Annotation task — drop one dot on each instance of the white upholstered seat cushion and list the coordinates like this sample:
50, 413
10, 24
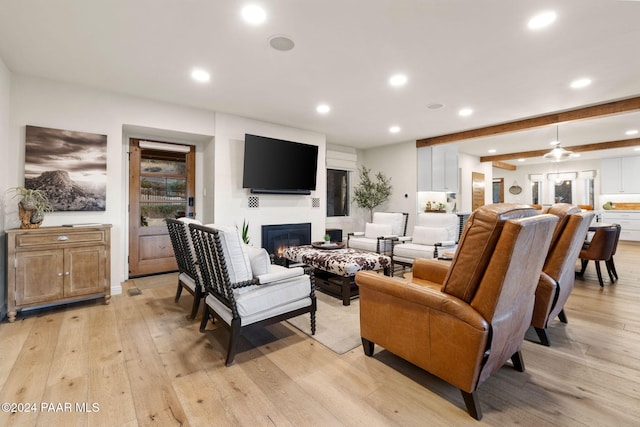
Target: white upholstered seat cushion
187, 280
407, 252
259, 302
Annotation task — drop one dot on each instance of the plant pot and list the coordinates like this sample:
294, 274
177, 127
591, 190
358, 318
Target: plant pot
26, 218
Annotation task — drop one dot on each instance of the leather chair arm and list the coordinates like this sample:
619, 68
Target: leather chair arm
545, 299
423, 295
430, 270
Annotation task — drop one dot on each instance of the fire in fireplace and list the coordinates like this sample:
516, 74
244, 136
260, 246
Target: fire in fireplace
276, 238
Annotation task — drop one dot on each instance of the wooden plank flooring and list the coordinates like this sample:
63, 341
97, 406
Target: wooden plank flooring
142, 362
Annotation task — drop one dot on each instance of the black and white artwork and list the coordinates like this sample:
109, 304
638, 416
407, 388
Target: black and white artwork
70, 167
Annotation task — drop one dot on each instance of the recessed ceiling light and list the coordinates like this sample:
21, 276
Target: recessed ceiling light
394, 129
398, 80
580, 83
465, 112
281, 43
542, 20
521, 160
435, 106
200, 75
493, 150
636, 149
254, 14
631, 132
323, 108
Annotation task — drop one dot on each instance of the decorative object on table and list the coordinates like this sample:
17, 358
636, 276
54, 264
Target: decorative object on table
515, 188
435, 207
327, 245
31, 207
69, 167
608, 206
327, 239
369, 194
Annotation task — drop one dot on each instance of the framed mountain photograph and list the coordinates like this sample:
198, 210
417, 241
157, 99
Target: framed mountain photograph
70, 167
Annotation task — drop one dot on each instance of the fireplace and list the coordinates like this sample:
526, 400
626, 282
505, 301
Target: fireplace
276, 238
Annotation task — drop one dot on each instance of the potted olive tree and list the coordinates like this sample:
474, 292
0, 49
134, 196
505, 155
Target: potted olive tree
32, 206
369, 193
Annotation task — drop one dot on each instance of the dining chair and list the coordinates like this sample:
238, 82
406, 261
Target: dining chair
600, 248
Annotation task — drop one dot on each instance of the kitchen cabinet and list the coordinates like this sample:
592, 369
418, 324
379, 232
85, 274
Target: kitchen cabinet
53, 265
437, 169
620, 175
629, 222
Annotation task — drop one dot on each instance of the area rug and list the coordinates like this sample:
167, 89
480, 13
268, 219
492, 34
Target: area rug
337, 326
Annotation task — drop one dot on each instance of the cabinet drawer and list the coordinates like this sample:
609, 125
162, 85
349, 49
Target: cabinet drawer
39, 239
610, 216
628, 224
631, 235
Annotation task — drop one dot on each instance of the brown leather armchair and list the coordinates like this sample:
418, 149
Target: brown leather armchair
558, 274
462, 320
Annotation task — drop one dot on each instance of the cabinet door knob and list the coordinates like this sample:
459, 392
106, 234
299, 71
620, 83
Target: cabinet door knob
59, 274
66, 273
63, 238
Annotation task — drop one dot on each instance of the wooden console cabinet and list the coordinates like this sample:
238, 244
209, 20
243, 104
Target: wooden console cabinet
52, 265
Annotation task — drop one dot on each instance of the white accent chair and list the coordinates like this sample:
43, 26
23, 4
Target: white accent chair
433, 235
379, 234
189, 276
243, 288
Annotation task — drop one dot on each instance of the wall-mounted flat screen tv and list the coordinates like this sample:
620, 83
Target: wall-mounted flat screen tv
279, 167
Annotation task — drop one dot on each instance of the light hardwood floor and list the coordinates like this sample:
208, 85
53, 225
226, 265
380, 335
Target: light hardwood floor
143, 363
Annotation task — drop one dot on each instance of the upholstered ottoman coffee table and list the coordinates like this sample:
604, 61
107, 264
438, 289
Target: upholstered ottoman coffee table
335, 269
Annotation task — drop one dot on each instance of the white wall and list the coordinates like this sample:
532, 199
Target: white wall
46, 103
5, 98
231, 200
398, 162
467, 165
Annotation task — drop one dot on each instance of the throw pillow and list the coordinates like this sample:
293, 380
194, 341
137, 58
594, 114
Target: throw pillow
259, 259
372, 230
429, 235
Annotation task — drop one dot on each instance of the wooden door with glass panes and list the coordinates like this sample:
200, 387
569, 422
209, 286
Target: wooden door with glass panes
161, 185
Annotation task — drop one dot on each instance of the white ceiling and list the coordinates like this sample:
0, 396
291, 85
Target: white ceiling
461, 53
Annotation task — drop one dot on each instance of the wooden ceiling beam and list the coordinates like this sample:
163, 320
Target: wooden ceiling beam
599, 110
622, 143
502, 165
